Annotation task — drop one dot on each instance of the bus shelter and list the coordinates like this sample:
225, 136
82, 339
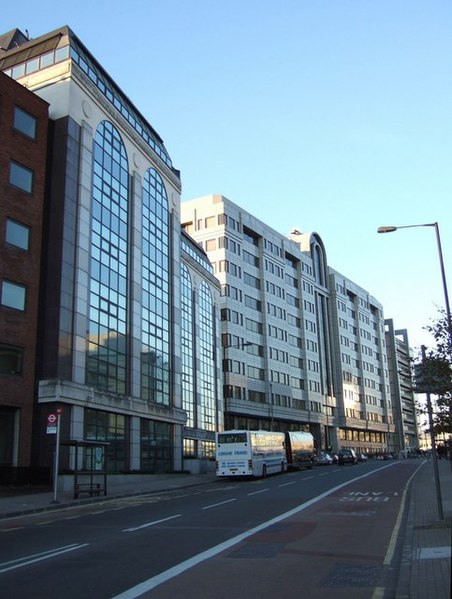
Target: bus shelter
90, 467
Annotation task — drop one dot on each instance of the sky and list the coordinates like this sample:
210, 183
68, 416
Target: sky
331, 116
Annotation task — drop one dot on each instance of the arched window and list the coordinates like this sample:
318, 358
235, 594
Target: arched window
319, 265
188, 396
155, 325
106, 365
206, 374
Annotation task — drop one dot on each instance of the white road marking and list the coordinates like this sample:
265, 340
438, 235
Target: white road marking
155, 581
395, 533
151, 523
257, 492
286, 484
37, 557
207, 507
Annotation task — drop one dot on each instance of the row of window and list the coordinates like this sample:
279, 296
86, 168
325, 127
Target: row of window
251, 237
12, 293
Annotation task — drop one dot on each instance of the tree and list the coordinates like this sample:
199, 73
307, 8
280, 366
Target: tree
433, 374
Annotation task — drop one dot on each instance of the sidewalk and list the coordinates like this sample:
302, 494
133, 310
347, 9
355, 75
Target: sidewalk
15, 503
425, 569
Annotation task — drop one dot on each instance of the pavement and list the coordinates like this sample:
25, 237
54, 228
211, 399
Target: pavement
424, 535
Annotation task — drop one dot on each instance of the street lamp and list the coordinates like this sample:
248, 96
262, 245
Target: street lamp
391, 229
327, 427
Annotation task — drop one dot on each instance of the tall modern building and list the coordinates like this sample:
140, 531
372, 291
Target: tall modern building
401, 384
200, 357
365, 417
303, 346
119, 282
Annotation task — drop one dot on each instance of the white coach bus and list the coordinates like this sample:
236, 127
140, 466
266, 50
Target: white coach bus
250, 453
300, 450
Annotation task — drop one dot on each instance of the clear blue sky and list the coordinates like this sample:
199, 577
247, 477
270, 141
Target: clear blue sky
333, 116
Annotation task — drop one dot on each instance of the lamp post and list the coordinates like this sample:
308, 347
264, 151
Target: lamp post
433, 444
327, 427
391, 229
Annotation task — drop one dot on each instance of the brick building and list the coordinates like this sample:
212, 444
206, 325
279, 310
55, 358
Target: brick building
23, 135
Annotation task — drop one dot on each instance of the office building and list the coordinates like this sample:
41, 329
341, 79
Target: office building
402, 393
365, 415
110, 351
303, 346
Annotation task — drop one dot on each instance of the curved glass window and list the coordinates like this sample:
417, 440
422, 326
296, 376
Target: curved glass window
319, 265
155, 367
107, 336
206, 374
187, 345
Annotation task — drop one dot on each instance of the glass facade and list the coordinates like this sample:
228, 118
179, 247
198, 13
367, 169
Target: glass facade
111, 428
156, 445
106, 366
206, 365
188, 397
112, 93
155, 363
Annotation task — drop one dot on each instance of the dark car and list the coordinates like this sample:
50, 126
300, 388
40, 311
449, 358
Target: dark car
347, 456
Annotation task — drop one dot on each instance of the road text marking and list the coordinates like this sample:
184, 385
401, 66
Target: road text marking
151, 583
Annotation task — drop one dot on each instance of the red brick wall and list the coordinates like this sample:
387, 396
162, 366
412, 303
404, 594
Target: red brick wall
19, 328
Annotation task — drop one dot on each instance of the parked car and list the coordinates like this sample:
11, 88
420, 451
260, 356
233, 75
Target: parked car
347, 456
362, 457
323, 459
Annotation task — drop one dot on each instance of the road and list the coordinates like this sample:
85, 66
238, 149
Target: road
331, 529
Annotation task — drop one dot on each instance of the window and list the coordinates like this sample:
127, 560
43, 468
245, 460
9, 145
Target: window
24, 122
155, 315
13, 295
256, 373
106, 359
187, 336
21, 177
17, 234
10, 360
254, 304
105, 426
156, 449
252, 281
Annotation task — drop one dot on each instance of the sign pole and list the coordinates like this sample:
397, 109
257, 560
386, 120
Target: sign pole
57, 457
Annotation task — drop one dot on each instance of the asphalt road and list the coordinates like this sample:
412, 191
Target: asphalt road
331, 529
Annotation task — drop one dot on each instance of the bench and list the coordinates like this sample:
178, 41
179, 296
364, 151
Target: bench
90, 488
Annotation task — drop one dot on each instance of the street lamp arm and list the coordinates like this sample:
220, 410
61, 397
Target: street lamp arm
392, 228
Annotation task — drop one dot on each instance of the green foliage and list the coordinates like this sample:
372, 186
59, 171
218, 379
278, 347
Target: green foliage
433, 374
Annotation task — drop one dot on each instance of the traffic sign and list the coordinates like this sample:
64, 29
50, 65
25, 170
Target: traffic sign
52, 424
